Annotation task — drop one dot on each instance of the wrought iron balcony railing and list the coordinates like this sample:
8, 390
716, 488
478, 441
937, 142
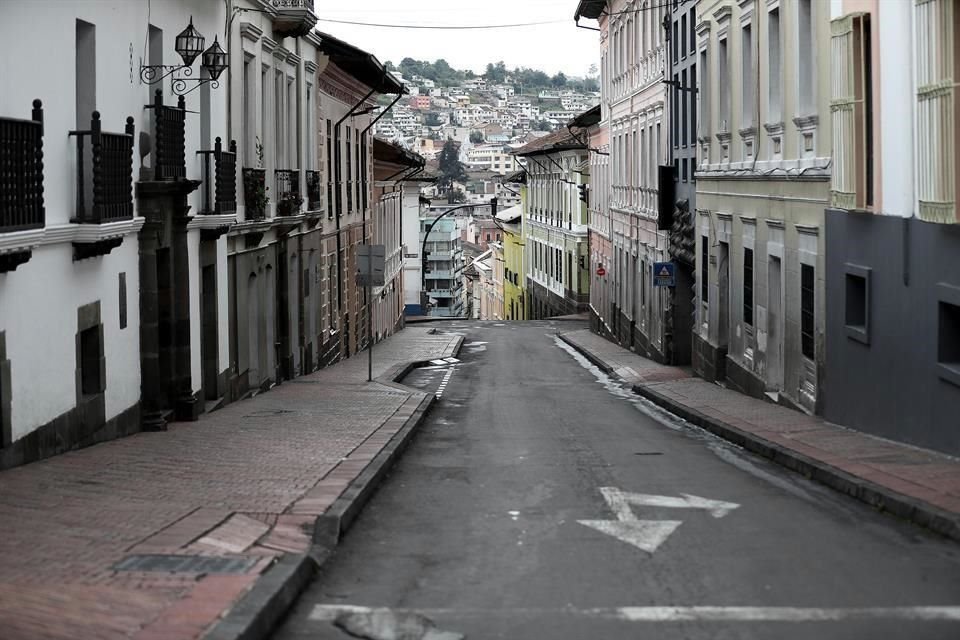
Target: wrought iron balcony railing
313, 190
169, 152
288, 192
255, 190
220, 193
21, 172
104, 173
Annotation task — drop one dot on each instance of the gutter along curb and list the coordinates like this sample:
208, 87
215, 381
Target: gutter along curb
258, 613
915, 510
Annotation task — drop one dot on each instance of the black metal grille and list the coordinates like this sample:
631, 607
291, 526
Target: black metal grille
288, 192
313, 190
807, 285
21, 172
170, 152
220, 193
255, 193
105, 194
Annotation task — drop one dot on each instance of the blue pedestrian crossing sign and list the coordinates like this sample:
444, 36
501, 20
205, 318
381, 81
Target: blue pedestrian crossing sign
664, 274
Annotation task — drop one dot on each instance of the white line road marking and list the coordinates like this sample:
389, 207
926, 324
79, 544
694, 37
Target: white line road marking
329, 612
648, 535
443, 383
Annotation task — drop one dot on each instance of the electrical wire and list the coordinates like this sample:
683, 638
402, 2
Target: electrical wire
640, 10
447, 27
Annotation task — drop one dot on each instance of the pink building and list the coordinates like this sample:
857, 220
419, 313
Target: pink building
420, 102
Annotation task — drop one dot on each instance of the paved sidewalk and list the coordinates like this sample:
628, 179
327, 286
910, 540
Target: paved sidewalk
913, 483
243, 486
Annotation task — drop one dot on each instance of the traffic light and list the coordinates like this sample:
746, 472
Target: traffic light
584, 190
493, 207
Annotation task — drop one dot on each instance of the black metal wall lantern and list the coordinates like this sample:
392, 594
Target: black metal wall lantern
189, 45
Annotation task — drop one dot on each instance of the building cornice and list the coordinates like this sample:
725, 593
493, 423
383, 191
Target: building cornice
64, 233
250, 31
269, 44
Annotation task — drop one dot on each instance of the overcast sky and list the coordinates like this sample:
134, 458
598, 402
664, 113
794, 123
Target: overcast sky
550, 47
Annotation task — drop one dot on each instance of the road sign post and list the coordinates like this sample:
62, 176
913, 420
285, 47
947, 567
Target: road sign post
664, 274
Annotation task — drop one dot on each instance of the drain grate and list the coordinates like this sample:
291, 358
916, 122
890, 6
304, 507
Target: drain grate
186, 564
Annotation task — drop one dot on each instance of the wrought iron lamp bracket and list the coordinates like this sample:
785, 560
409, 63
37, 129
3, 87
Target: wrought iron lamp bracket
152, 74
179, 85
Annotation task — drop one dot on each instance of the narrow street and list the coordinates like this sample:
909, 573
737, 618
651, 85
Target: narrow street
493, 524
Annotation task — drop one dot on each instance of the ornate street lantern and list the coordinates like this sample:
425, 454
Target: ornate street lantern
215, 60
189, 44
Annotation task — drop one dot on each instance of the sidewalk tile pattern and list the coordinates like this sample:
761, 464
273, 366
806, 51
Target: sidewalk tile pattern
247, 480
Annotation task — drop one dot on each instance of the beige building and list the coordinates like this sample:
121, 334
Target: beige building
763, 181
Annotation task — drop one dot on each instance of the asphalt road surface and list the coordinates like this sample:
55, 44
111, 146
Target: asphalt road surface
541, 500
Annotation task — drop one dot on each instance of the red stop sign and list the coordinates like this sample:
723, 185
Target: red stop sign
601, 271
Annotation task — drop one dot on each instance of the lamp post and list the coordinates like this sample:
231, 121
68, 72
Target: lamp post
189, 45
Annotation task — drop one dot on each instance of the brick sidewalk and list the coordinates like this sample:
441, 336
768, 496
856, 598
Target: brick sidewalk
243, 483
917, 484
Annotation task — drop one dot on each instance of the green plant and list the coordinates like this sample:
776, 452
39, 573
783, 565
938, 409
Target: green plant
289, 204
260, 198
259, 149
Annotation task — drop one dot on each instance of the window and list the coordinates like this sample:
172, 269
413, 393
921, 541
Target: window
807, 283
805, 49
249, 109
693, 30
774, 71
349, 180
704, 268
91, 349
683, 107
86, 71
748, 286
724, 79
857, 303
329, 168
937, 23
683, 36
704, 95
693, 111
747, 78
948, 333
851, 111
122, 299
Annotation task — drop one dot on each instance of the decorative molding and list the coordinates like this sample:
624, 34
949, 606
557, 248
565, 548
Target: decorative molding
211, 221
773, 128
722, 15
310, 66
703, 27
269, 44
805, 123
250, 31
282, 53
64, 233
749, 132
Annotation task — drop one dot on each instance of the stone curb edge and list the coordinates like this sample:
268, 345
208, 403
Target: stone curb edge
915, 510
262, 608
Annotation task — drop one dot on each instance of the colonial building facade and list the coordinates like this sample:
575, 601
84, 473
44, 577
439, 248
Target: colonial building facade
192, 198
762, 183
892, 235
633, 103
555, 226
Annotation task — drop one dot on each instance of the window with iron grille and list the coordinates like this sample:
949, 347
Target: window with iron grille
748, 286
807, 281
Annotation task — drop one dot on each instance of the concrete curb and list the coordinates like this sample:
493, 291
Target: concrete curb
262, 608
912, 509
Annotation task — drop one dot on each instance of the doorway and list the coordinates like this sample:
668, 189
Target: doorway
209, 342
723, 297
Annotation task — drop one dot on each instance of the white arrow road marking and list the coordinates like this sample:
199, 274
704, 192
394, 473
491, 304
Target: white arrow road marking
648, 535
329, 612
644, 534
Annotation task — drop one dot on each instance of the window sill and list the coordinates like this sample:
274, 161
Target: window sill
949, 371
859, 333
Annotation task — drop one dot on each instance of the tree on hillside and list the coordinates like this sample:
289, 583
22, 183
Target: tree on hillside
457, 196
542, 125
496, 73
450, 167
476, 137
559, 81
432, 119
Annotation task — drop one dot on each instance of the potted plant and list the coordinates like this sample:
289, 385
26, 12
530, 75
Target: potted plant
289, 204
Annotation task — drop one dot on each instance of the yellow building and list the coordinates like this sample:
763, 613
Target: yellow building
514, 293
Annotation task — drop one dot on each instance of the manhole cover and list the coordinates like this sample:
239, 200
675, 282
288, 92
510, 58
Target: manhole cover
185, 564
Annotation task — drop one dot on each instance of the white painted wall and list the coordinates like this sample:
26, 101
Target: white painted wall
897, 97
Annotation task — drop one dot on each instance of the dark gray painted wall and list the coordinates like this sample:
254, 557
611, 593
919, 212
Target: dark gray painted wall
891, 385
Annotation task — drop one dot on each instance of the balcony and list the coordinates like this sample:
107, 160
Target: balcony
255, 189
289, 200
313, 191
104, 174
220, 192
169, 152
21, 184
21, 172
294, 18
